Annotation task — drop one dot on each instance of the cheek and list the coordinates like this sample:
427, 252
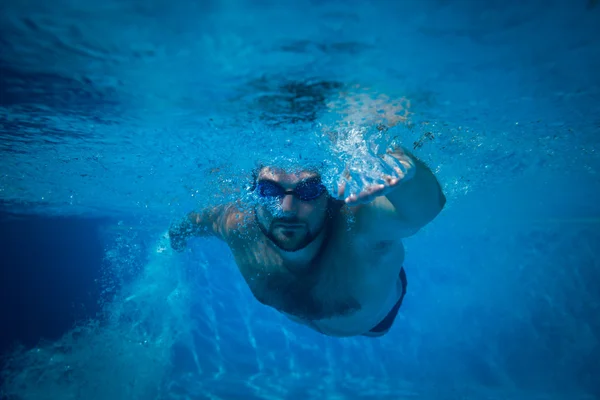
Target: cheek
263, 214
268, 208
313, 211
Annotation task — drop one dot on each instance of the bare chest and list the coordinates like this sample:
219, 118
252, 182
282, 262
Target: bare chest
354, 274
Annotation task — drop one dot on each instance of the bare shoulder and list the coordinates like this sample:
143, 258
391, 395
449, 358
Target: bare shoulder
232, 221
379, 217
222, 220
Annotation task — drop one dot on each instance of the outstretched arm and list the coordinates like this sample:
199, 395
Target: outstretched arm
413, 196
212, 221
418, 198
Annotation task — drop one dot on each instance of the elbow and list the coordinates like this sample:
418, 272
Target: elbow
428, 213
439, 205
442, 201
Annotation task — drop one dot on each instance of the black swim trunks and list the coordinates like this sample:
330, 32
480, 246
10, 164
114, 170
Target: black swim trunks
388, 321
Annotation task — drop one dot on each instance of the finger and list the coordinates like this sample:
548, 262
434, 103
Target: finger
391, 180
367, 195
343, 180
395, 164
355, 200
350, 199
370, 191
341, 189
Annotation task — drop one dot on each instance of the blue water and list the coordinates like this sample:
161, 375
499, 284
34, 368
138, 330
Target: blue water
117, 118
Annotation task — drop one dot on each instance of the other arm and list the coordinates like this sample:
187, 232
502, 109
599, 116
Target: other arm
212, 221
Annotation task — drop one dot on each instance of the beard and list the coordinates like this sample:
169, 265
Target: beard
288, 238
297, 239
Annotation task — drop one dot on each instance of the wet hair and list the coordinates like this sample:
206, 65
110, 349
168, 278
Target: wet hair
256, 171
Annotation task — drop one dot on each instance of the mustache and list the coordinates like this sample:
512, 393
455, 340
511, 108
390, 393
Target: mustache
288, 220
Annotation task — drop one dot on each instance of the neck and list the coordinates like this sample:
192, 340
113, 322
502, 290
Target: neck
302, 258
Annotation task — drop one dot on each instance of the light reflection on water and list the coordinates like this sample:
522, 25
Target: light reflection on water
177, 98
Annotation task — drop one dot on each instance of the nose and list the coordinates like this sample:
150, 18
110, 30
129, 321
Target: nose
288, 203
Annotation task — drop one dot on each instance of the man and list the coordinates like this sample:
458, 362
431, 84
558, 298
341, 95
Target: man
333, 265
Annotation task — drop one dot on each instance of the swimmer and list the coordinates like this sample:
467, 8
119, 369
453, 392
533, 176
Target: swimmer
333, 262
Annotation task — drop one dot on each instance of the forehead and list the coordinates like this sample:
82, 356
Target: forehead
288, 177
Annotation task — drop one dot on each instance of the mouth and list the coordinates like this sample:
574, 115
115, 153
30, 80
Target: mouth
288, 226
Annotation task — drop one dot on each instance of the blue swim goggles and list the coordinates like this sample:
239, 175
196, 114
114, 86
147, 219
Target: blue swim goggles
307, 190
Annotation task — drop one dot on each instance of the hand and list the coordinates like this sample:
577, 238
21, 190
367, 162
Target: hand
178, 243
178, 234
399, 162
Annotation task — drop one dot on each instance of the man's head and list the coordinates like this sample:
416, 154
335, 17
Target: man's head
293, 207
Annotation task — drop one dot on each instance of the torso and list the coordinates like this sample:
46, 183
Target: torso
346, 291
